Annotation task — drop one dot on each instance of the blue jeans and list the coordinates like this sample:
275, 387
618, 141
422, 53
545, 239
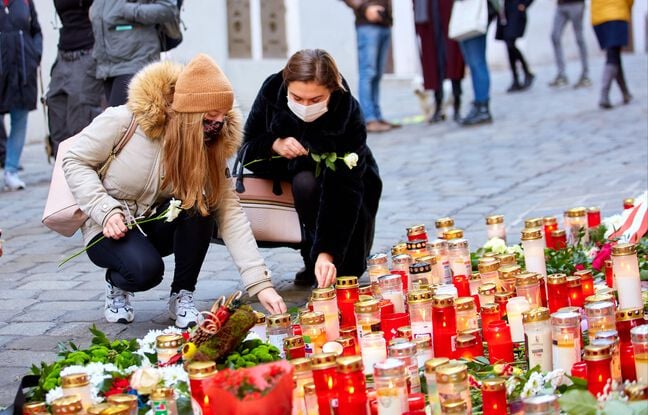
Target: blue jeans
474, 52
16, 139
373, 42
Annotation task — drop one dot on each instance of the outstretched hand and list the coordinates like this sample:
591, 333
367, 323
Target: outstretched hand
289, 148
325, 270
272, 301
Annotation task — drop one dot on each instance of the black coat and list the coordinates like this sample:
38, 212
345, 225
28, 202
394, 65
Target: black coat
21, 47
349, 197
514, 25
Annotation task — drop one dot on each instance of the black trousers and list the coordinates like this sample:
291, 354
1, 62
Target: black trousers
116, 89
134, 262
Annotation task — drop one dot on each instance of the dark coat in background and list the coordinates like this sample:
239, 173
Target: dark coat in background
349, 197
514, 24
21, 47
441, 57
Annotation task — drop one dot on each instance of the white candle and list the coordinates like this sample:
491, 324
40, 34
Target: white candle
514, 309
397, 299
325, 301
374, 350
533, 247
625, 267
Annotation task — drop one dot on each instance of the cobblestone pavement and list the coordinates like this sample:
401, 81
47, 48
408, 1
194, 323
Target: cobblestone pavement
546, 151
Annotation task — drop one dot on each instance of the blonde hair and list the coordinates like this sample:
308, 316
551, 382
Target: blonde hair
194, 171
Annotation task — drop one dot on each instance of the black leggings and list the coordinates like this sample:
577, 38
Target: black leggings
116, 89
613, 55
515, 56
134, 262
306, 193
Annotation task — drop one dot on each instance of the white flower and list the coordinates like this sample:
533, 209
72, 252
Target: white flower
171, 375
555, 378
511, 384
53, 394
514, 249
533, 386
174, 210
351, 160
591, 254
496, 245
147, 344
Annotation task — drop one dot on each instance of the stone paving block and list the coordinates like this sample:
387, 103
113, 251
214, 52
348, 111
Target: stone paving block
4, 339
9, 383
50, 285
39, 343
16, 304
71, 295
18, 358
27, 328
64, 305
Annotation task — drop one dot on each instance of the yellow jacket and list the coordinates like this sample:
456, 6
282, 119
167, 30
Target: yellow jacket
608, 10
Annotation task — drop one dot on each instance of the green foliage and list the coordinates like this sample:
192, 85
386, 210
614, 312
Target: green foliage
578, 402
565, 260
249, 354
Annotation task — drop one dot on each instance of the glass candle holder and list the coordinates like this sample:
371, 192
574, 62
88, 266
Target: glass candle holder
490, 312
166, 396
506, 259
495, 227
541, 405
627, 319
528, 286
279, 328
600, 317
486, 293
466, 313
639, 338
611, 338
502, 299
537, 336
406, 353
438, 275
294, 347
452, 384
391, 288
367, 315
593, 217
446, 289
78, 384
514, 309
390, 378
559, 239
587, 281
575, 290
533, 223
200, 375
373, 348
313, 326
406, 332
500, 343
325, 380
468, 347
565, 336
599, 372
325, 301
399, 248
352, 394
494, 396
444, 323
439, 248
167, 346
557, 292
576, 224
626, 275
310, 398
302, 375
261, 326
454, 233
442, 225
549, 224
533, 247
347, 294
507, 275
628, 369
351, 331
127, 399
488, 270
462, 284
348, 344
417, 249
431, 366
579, 370
474, 283
67, 405
417, 232
420, 274
420, 311
377, 265
402, 263
459, 256
424, 351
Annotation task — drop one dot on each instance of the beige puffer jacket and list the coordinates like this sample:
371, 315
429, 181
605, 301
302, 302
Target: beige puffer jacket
133, 181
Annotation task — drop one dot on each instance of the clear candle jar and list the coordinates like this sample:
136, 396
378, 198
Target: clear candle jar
420, 274
600, 317
260, 328
541, 405
625, 267
528, 286
348, 344
279, 328
431, 366
390, 378
639, 338
399, 249
598, 359
494, 396
576, 225
78, 384
565, 336
444, 323
167, 346
391, 288
474, 283
67, 405
367, 314
514, 309
557, 292
537, 336
587, 281
490, 312
486, 293
611, 337
405, 332
417, 232
468, 347
507, 274
310, 398
495, 227
442, 225
420, 311
352, 389
454, 233
325, 379
166, 396
200, 376
459, 256
533, 247
466, 313
325, 301
550, 223
533, 223
377, 265
401, 263
488, 270
438, 273
417, 249
439, 248
302, 375
424, 350
347, 294
452, 384
406, 353
502, 299
313, 326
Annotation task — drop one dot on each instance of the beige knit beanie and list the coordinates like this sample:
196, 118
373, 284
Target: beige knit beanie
202, 87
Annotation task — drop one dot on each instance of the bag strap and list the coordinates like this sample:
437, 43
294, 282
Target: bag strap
28, 381
237, 171
125, 138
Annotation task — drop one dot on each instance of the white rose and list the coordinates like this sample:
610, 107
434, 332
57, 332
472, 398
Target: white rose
174, 210
496, 245
351, 160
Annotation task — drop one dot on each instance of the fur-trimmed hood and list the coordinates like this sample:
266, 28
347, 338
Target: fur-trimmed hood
150, 95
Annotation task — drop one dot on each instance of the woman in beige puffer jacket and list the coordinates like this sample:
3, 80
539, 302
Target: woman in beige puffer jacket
186, 132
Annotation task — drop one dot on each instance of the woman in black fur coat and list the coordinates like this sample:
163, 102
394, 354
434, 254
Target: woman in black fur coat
300, 113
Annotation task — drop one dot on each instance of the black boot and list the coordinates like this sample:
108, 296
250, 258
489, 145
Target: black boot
609, 73
456, 104
438, 107
305, 277
620, 78
479, 114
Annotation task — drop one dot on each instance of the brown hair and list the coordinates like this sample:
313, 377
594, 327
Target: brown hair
313, 65
193, 171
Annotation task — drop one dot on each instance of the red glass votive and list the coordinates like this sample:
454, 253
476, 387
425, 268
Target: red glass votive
628, 368
444, 325
386, 307
416, 402
352, 394
557, 292
587, 282
489, 313
579, 370
494, 396
501, 299
543, 290
404, 277
462, 284
348, 345
550, 225
575, 290
351, 331
297, 330
347, 294
599, 367
391, 322
325, 379
468, 347
593, 217
500, 344
609, 273
559, 239
626, 320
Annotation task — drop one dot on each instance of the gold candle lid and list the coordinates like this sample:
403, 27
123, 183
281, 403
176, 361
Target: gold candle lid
169, 341
599, 298
416, 230
503, 297
445, 222
595, 352
390, 367
526, 278
431, 365
475, 276
455, 233
494, 384
312, 317
494, 219
349, 364
506, 259
628, 201
509, 271
442, 300
399, 249
452, 373
347, 282
301, 364
125, 409
404, 349
627, 314
402, 259
346, 341
74, 380
558, 233
67, 405
490, 307
636, 392
531, 234
576, 212
368, 306
604, 308
457, 243
260, 317
465, 303
624, 249
292, 342
379, 258
322, 294
97, 409
465, 340
405, 331
454, 406
30, 408
423, 342
535, 315
201, 370
549, 220
323, 360
487, 289
309, 388
420, 268
584, 274
416, 296
574, 281
490, 266
430, 259
533, 223
348, 331
416, 244
279, 320
556, 279
123, 399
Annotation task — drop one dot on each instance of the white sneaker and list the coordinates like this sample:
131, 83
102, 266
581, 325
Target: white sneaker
118, 308
183, 310
13, 182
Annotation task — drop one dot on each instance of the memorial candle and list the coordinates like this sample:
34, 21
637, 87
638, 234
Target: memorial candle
494, 396
200, 375
575, 290
495, 227
507, 274
352, 394
442, 225
575, 225
466, 312
599, 372
533, 247
417, 249
559, 239
377, 266
611, 338
390, 377
444, 323
537, 336
566, 342
430, 380
488, 271
587, 281
420, 310
325, 301
439, 248
417, 232
557, 292
486, 293
514, 309
325, 379
549, 224
639, 337
489, 313
500, 344
528, 286
626, 275
468, 347
347, 293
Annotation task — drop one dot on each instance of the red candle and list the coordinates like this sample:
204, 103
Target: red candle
628, 203
391, 322
593, 217
325, 379
404, 277
351, 331
294, 347
628, 368
543, 290
501, 299
348, 346
468, 347
626, 320
489, 312
416, 402
386, 307
599, 367
444, 325
587, 281
462, 284
347, 290
297, 330
200, 373
500, 344
550, 224
352, 395
417, 232
494, 396
575, 291
609, 273
579, 370
557, 292
559, 239
478, 336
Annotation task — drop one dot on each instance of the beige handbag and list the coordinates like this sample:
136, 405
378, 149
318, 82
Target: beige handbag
469, 19
62, 213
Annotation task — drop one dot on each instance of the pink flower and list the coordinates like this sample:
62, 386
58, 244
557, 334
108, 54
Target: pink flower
579, 267
604, 254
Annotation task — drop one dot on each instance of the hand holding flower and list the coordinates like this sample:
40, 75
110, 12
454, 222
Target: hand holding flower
289, 148
115, 228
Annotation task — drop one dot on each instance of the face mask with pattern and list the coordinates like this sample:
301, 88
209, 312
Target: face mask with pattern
212, 129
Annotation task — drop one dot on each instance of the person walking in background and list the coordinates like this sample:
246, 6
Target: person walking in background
74, 95
373, 21
610, 20
440, 57
21, 47
474, 53
126, 39
569, 11
511, 24
3, 142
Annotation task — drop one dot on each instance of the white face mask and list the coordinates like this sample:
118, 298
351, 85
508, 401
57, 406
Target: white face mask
308, 113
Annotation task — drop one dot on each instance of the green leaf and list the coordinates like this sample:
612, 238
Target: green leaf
578, 402
316, 157
638, 407
318, 169
615, 407
330, 164
331, 157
